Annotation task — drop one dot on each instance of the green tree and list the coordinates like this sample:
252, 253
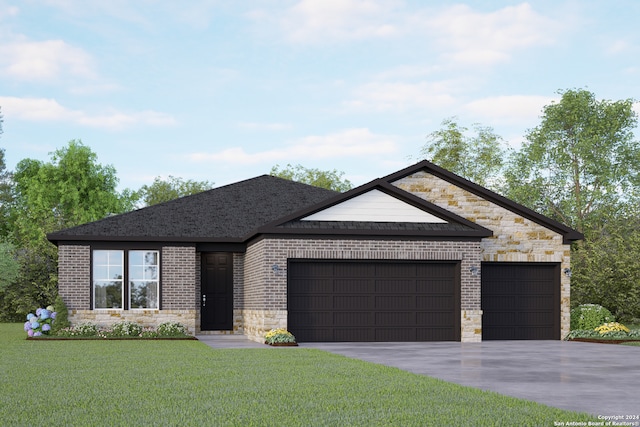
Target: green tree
5, 195
331, 180
477, 157
581, 162
171, 188
9, 266
606, 269
70, 190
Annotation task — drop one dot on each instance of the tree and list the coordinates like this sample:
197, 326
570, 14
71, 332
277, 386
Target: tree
478, 158
331, 180
606, 269
70, 190
171, 188
581, 162
5, 195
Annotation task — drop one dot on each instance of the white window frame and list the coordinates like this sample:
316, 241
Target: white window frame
105, 279
144, 279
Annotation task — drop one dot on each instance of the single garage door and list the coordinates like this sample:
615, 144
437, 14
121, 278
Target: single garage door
373, 301
520, 301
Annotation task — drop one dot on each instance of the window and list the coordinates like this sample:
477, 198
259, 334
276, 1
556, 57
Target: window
137, 289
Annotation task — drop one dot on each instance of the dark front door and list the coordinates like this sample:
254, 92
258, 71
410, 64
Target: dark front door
520, 301
216, 299
373, 300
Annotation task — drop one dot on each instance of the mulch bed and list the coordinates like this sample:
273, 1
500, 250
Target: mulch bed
110, 339
595, 340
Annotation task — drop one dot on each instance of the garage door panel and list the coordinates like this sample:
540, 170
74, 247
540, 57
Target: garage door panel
352, 302
436, 303
315, 285
433, 286
306, 318
352, 286
395, 319
357, 318
395, 302
377, 301
520, 301
395, 286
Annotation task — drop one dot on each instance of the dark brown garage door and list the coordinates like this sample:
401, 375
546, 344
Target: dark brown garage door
373, 301
520, 301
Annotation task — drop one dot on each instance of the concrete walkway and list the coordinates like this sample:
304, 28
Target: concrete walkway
601, 379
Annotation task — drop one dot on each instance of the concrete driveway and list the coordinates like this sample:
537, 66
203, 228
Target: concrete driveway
601, 379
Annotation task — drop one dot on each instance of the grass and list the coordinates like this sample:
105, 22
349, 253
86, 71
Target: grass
185, 383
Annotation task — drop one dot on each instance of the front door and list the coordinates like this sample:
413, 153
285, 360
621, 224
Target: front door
216, 292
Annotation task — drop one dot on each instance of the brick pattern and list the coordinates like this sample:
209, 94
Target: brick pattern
179, 285
74, 276
515, 238
265, 288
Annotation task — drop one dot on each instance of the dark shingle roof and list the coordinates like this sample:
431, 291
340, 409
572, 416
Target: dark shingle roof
230, 213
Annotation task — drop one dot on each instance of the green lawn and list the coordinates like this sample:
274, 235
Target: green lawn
185, 383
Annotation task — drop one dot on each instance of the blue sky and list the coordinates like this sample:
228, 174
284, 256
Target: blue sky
222, 91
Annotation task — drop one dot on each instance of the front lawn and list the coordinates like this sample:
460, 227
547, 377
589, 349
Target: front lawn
184, 383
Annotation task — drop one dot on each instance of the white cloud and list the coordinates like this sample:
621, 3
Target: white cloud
467, 36
399, 96
509, 109
44, 60
265, 126
321, 21
359, 142
43, 109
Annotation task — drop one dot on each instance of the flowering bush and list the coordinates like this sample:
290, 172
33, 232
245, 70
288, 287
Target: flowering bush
124, 329
171, 329
590, 316
611, 327
279, 336
40, 323
81, 330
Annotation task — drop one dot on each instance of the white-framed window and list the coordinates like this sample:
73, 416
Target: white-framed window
126, 279
108, 278
143, 279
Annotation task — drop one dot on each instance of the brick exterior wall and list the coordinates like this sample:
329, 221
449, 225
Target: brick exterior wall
74, 276
265, 288
515, 238
178, 289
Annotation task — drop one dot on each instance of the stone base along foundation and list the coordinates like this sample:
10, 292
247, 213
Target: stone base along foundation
145, 318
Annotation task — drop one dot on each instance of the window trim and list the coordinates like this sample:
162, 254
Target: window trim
125, 249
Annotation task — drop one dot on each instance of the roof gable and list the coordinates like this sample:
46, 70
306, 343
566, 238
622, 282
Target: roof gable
568, 233
335, 216
374, 206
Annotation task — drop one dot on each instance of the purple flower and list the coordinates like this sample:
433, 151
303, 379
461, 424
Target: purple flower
53, 315
37, 334
38, 312
29, 316
30, 332
46, 327
27, 326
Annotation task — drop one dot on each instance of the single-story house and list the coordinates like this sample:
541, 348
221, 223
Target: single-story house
419, 255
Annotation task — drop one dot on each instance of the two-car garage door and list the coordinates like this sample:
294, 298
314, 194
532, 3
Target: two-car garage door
373, 300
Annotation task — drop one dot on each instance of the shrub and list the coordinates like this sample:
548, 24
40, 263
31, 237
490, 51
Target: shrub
171, 329
125, 329
62, 317
590, 316
81, 330
40, 323
279, 336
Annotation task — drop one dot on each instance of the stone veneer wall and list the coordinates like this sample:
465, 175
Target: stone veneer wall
515, 238
265, 289
178, 291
